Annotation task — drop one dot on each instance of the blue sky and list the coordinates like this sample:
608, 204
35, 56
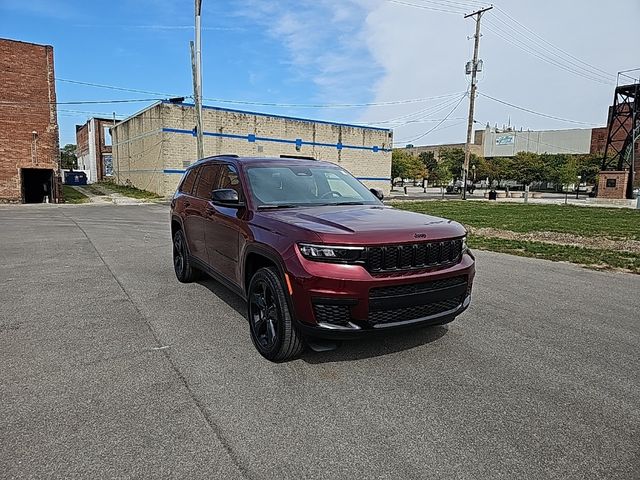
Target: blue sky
339, 52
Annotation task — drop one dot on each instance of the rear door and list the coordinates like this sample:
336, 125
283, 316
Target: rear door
207, 177
191, 218
224, 227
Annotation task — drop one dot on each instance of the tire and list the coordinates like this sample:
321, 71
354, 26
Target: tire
185, 272
272, 330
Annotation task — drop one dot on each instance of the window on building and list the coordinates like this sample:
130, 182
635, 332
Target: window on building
107, 136
611, 182
107, 165
207, 180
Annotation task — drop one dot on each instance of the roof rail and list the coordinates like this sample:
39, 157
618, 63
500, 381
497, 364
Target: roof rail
226, 155
299, 157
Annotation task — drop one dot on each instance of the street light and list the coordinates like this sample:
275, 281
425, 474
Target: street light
578, 187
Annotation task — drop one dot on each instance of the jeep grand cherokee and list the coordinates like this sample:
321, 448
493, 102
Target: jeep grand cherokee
314, 252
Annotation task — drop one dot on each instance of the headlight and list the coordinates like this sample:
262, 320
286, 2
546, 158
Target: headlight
328, 253
465, 247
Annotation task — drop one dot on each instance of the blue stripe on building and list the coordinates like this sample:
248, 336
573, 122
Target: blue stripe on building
379, 179
298, 141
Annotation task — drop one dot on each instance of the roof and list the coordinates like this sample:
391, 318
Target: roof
283, 160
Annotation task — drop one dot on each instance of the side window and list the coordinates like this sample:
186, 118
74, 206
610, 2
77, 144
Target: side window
207, 180
229, 179
189, 179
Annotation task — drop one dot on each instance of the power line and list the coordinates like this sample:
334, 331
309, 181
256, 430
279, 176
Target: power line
608, 74
438, 124
82, 102
533, 111
112, 87
524, 47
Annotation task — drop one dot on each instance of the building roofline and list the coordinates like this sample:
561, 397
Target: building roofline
286, 117
140, 112
25, 42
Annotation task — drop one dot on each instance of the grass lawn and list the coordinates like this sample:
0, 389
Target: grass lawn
619, 223
131, 192
612, 223
71, 195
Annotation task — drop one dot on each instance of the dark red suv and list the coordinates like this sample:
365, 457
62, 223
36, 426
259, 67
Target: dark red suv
314, 252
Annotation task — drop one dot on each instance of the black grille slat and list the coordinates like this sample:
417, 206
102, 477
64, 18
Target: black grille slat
418, 255
414, 312
334, 314
408, 289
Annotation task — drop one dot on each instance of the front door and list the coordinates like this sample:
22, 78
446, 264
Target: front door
223, 228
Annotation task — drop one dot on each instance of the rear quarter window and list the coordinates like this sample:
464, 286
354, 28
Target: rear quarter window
186, 186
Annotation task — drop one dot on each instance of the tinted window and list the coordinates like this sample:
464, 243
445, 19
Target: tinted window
207, 180
229, 179
301, 185
188, 181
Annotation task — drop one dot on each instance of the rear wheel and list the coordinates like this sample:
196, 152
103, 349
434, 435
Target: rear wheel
272, 329
185, 272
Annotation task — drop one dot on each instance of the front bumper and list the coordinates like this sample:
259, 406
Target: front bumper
350, 291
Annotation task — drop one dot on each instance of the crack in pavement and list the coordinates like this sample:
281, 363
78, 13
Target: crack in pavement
161, 347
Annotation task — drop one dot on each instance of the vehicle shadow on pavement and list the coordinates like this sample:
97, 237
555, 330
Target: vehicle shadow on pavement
224, 294
348, 350
377, 345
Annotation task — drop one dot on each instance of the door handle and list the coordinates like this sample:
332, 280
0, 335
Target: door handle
187, 203
209, 211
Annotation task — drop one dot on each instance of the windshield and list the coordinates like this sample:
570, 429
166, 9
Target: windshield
286, 186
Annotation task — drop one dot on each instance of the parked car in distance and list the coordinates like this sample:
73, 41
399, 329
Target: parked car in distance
314, 252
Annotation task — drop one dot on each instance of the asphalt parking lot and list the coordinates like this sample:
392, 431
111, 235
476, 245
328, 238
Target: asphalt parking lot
111, 368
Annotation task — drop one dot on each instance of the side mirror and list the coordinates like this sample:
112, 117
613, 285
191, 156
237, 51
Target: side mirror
226, 197
378, 193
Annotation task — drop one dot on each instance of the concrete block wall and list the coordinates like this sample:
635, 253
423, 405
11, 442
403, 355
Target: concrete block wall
249, 134
28, 83
138, 150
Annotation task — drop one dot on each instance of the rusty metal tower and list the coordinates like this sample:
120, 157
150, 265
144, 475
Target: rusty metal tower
623, 131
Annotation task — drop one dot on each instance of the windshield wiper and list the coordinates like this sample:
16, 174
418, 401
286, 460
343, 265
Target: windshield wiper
347, 203
280, 205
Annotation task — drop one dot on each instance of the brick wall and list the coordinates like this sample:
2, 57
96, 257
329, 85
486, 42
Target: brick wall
144, 152
613, 185
27, 83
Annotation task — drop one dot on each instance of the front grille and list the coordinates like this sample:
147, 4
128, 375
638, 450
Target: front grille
418, 255
414, 312
411, 288
334, 314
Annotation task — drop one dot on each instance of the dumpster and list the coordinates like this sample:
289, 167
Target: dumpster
75, 178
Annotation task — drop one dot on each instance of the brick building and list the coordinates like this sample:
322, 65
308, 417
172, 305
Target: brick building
152, 148
29, 151
93, 149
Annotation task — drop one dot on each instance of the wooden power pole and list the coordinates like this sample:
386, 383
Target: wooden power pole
472, 98
196, 66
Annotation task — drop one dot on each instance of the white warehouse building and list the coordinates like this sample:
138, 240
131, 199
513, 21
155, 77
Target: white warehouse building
152, 148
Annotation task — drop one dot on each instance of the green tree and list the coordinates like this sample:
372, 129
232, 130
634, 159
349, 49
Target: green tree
404, 165
68, 157
429, 161
527, 167
568, 173
399, 164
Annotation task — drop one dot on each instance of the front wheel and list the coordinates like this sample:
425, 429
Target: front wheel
270, 322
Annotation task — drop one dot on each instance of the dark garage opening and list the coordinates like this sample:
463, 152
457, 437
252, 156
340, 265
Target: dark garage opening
36, 185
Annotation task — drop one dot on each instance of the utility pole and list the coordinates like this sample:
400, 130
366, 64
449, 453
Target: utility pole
472, 98
196, 67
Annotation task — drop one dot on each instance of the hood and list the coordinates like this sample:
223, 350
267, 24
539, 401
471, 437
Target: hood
366, 224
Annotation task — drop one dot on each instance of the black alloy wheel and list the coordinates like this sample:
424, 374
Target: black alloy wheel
182, 267
272, 330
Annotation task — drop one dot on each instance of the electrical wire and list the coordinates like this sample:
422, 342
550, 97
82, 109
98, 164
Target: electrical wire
81, 102
438, 124
524, 47
540, 114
